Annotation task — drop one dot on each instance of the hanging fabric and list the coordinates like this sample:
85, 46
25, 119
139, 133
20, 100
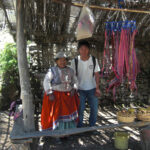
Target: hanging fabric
119, 60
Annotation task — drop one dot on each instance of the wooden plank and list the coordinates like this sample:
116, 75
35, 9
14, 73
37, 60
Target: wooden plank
62, 133
18, 128
24, 141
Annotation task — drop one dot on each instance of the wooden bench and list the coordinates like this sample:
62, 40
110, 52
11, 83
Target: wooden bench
18, 132
19, 136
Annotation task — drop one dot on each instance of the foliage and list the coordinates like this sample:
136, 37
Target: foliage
9, 75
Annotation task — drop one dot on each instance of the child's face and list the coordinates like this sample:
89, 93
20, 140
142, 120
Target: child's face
84, 51
61, 62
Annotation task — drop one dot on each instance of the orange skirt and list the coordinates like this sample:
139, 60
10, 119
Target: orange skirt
62, 108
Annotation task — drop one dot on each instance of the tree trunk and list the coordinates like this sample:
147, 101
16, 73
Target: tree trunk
26, 95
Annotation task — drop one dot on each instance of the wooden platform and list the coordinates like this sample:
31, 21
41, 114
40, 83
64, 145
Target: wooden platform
19, 134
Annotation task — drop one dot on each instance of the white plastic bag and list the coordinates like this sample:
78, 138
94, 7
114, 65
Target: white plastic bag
86, 24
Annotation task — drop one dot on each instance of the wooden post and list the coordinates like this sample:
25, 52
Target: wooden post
26, 95
145, 138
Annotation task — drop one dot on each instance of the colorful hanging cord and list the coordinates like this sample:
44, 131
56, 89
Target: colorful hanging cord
120, 60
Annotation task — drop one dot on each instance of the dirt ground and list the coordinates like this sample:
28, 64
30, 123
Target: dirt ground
97, 140
6, 124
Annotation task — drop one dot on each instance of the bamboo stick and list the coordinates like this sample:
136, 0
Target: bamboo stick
103, 8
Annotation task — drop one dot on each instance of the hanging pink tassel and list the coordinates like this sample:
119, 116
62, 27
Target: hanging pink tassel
122, 59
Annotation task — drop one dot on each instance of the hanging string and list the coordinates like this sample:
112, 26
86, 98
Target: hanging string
86, 2
120, 2
123, 16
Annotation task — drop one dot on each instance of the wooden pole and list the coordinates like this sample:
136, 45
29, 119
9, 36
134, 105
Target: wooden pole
26, 95
102, 8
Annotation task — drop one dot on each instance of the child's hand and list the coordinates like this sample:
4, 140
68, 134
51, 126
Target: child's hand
51, 97
72, 92
97, 92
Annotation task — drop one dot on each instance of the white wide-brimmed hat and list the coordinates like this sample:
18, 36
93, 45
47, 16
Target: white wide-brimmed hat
60, 55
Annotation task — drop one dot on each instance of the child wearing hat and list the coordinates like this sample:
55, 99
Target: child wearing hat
60, 102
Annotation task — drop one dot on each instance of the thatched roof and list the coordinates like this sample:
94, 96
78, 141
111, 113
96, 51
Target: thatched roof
55, 21
52, 24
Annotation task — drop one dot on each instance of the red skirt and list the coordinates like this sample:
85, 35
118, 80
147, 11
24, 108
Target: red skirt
63, 107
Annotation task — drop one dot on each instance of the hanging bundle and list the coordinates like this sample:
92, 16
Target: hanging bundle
86, 24
120, 2
119, 59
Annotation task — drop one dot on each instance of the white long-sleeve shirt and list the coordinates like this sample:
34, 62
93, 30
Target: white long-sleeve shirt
68, 80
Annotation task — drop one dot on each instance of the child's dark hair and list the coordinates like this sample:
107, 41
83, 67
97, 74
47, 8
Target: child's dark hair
83, 42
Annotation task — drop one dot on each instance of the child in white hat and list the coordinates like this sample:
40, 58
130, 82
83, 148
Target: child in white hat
60, 102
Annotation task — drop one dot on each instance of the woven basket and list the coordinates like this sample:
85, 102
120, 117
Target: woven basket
125, 119
143, 117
